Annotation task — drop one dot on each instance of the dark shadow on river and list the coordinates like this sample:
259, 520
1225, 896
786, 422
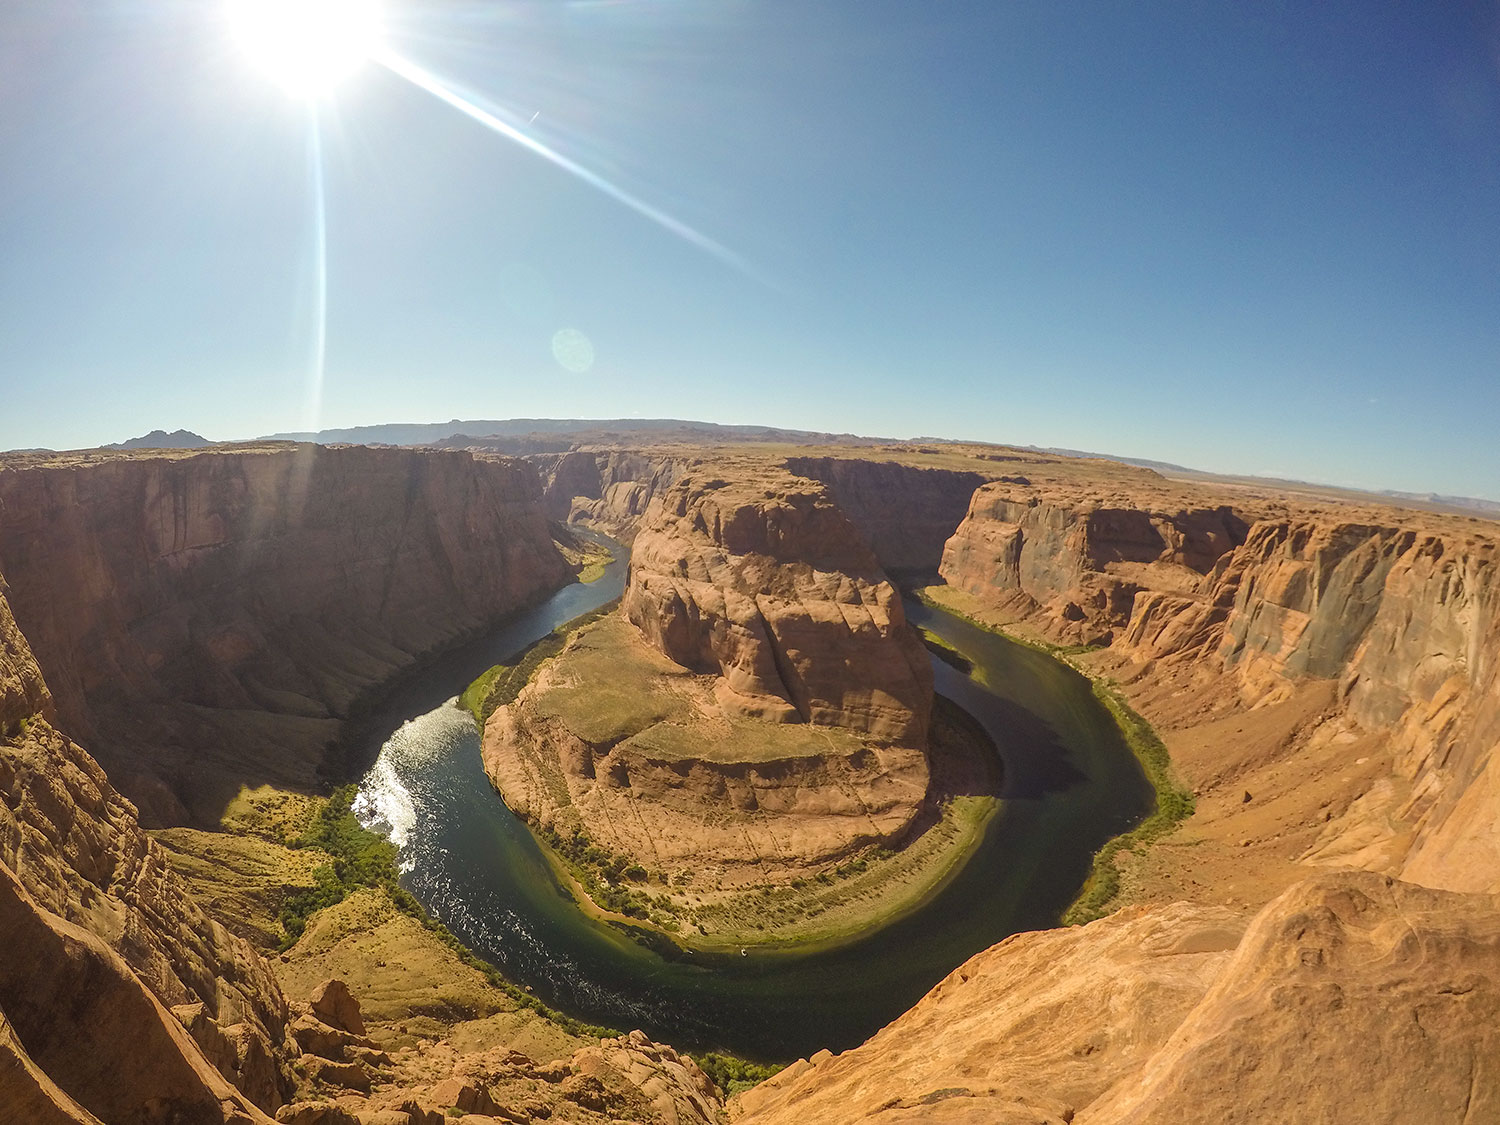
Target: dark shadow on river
1070, 784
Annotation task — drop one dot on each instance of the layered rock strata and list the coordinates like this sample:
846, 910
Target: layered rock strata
608, 489
1249, 604
763, 581
207, 620
615, 739
103, 939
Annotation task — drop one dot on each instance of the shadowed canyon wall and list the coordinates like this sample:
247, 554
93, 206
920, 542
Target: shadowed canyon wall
102, 938
206, 621
906, 513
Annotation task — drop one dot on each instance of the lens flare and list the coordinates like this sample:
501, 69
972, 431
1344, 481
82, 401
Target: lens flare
307, 46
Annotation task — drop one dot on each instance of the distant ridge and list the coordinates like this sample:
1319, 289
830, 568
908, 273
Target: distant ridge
473, 431
160, 439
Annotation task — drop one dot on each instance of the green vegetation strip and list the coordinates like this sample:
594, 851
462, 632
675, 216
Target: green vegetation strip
502, 683
1174, 802
361, 858
732, 1074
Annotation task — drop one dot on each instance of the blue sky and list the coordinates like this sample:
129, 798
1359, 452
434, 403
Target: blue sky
1248, 237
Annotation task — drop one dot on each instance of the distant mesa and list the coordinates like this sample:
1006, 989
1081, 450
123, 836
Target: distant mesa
534, 433
160, 439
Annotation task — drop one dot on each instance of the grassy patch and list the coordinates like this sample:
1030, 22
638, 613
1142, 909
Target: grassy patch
946, 652
361, 858
357, 858
1174, 803
502, 683
588, 559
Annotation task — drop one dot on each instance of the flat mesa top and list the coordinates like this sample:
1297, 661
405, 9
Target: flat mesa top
611, 685
1055, 477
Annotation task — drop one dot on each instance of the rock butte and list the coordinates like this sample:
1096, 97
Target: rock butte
1321, 941
799, 740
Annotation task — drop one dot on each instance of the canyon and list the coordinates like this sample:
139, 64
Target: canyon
1321, 938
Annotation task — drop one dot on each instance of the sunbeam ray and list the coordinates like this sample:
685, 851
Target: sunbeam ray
313, 404
426, 80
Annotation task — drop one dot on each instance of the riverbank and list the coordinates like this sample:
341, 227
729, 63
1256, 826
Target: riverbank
1173, 801
771, 901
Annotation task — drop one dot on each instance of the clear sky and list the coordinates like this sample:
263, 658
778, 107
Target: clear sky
1244, 236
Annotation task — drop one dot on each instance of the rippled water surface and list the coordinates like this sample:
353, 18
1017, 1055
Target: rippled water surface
1070, 784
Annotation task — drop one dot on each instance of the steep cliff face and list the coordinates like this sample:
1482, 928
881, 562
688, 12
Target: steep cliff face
1077, 562
609, 490
906, 513
763, 581
1403, 616
104, 938
1337, 995
207, 620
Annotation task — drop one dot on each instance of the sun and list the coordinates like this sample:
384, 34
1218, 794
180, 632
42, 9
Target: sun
307, 46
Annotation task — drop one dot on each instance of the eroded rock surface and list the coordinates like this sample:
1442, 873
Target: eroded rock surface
1241, 606
615, 739
1328, 1008
76, 853
761, 580
206, 620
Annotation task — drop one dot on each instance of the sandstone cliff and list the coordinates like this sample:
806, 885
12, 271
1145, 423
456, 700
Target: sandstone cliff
762, 580
207, 620
1352, 997
1078, 561
1243, 605
905, 512
617, 740
103, 938
608, 489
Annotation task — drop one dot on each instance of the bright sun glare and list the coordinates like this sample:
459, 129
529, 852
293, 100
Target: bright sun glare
307, 46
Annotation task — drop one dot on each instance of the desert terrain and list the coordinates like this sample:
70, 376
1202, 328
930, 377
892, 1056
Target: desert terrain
187, 639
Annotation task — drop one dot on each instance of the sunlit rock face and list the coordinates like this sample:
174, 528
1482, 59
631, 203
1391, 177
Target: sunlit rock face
207, 620
1351, 997
1076, 559
1398, 611
763, 581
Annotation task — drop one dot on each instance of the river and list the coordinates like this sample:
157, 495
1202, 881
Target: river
1070, 784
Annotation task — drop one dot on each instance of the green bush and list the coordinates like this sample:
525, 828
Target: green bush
732, 1074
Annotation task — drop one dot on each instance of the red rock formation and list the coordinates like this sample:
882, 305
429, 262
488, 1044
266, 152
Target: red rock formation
1352, 997
905, 512
1404, 618
1077, 561
207, 620
609, 490
763, 581
102, 938
667, 779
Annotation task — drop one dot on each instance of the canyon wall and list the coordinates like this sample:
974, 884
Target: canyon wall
1077, 561
763, 581
102, 939
608, 489
207, 621
905, 512
1403, 617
